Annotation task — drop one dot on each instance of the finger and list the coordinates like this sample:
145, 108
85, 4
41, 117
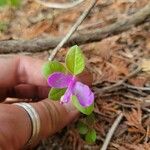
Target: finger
30, 91
21, 70
15, 121
37, 92
54, 116
27, 70
10, 100
25, 91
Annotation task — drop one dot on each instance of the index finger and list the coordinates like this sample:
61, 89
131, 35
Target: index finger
21, 70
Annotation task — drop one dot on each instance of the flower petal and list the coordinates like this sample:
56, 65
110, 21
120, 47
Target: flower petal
84, 94
59, 80
66, 97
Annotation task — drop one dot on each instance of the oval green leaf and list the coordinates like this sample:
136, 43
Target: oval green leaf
51, 67
84, 110
75, 60
90, 137
82, 127
56, 94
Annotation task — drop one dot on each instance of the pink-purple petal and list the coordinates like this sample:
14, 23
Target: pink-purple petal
66, 97
59, 80
84, 94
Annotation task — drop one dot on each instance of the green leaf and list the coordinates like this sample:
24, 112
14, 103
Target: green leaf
82, 128
75, 60
15, 3
55, 94
51, 67
90, 119
84, 110
90, 137
3, 2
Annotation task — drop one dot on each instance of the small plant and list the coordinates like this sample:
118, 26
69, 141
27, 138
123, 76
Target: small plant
66, 87
86, 130
12, 3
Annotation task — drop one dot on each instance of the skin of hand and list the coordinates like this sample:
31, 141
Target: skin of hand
21, 77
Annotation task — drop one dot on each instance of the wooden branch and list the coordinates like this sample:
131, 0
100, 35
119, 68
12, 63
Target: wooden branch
72, 30
43, 44
59, 5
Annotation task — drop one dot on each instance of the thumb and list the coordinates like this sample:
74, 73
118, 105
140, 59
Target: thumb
15, 121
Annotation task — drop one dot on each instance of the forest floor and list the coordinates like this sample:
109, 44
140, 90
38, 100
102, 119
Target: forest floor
120, 66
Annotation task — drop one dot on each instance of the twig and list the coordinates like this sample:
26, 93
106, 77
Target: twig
132, 97
147, 134
135, 72
138, 99
98, 23
136, 87
119, 83
89, 26
111, 131
146, 109
43, 44
59, 5
72, 30
136, 92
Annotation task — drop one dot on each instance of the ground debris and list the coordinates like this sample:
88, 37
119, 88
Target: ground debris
110, 61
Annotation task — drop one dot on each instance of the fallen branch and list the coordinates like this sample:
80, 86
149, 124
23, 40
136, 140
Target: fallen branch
59, 5
72, 30
111, 131
43, 44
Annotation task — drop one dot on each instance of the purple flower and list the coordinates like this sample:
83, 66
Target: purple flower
80, 90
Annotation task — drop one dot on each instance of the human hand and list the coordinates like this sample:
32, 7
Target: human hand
21, 77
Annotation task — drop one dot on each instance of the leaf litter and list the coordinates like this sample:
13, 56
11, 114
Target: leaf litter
109, 61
